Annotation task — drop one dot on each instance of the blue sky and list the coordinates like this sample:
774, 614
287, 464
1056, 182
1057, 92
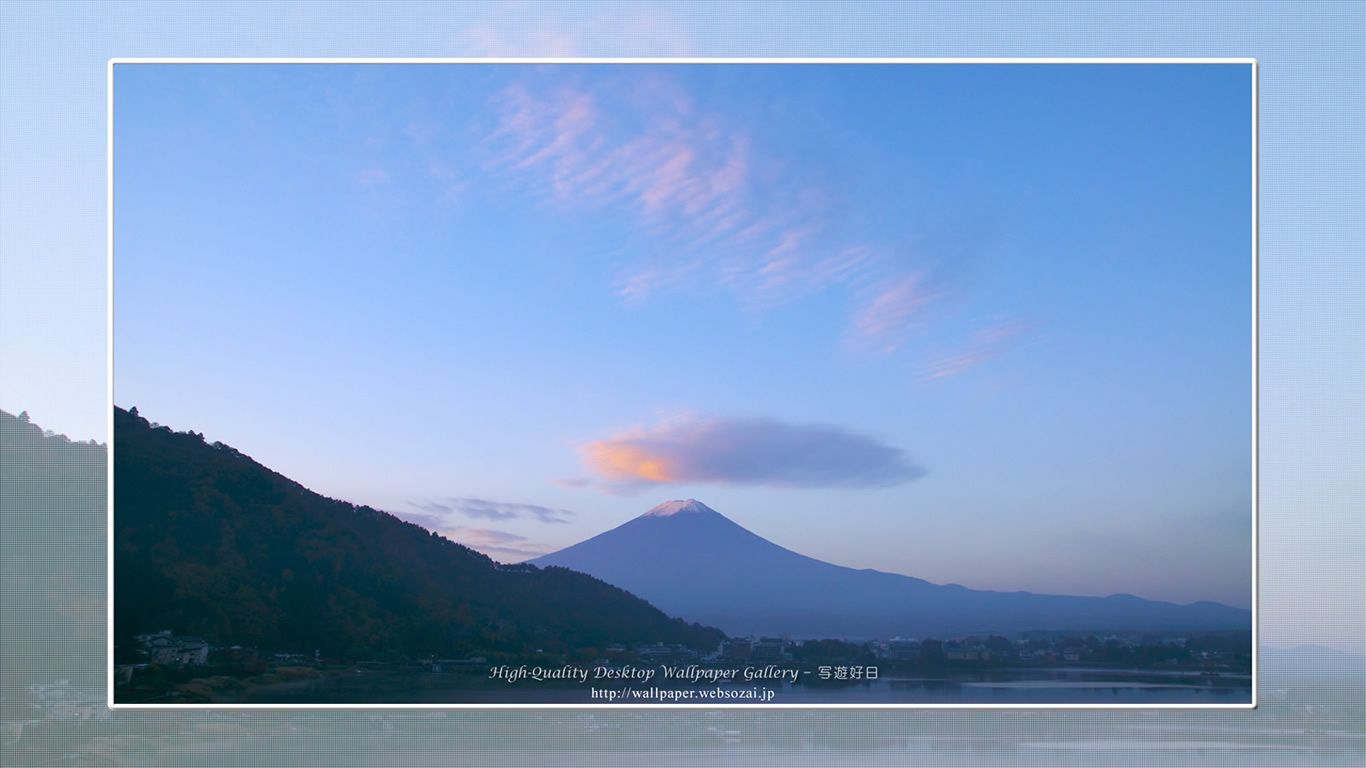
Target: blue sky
978, 324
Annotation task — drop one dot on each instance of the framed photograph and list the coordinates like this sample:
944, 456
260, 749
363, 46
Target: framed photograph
683, 383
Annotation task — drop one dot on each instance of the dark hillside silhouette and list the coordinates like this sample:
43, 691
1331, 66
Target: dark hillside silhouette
53, 502
210, 543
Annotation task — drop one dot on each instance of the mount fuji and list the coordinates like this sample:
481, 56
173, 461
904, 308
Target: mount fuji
691, 561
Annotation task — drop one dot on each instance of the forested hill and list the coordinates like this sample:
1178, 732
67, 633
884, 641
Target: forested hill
53, 504
208, 542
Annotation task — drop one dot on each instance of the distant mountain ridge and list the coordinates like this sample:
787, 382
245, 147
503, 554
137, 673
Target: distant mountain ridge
208, 542
695, 563
1311, 662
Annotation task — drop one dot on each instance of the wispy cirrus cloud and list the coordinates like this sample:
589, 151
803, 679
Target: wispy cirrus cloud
447, 517
558, 30
746, 452
490, 41
500, 545
369, 176
894, 310
987, 344
454, 508
719, 210
668, 166
716, 206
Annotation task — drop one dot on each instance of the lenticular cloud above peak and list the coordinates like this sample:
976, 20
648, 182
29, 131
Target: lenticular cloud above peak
746, 452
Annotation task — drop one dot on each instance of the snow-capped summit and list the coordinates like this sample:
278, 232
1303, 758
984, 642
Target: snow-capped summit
679, 507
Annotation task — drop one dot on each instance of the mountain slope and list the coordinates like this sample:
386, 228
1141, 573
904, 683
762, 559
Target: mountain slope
210, 543
1312, 662
53, 501
693, 562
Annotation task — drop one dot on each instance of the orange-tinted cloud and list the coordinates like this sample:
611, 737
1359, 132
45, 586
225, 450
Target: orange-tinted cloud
746, 452
618, 459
